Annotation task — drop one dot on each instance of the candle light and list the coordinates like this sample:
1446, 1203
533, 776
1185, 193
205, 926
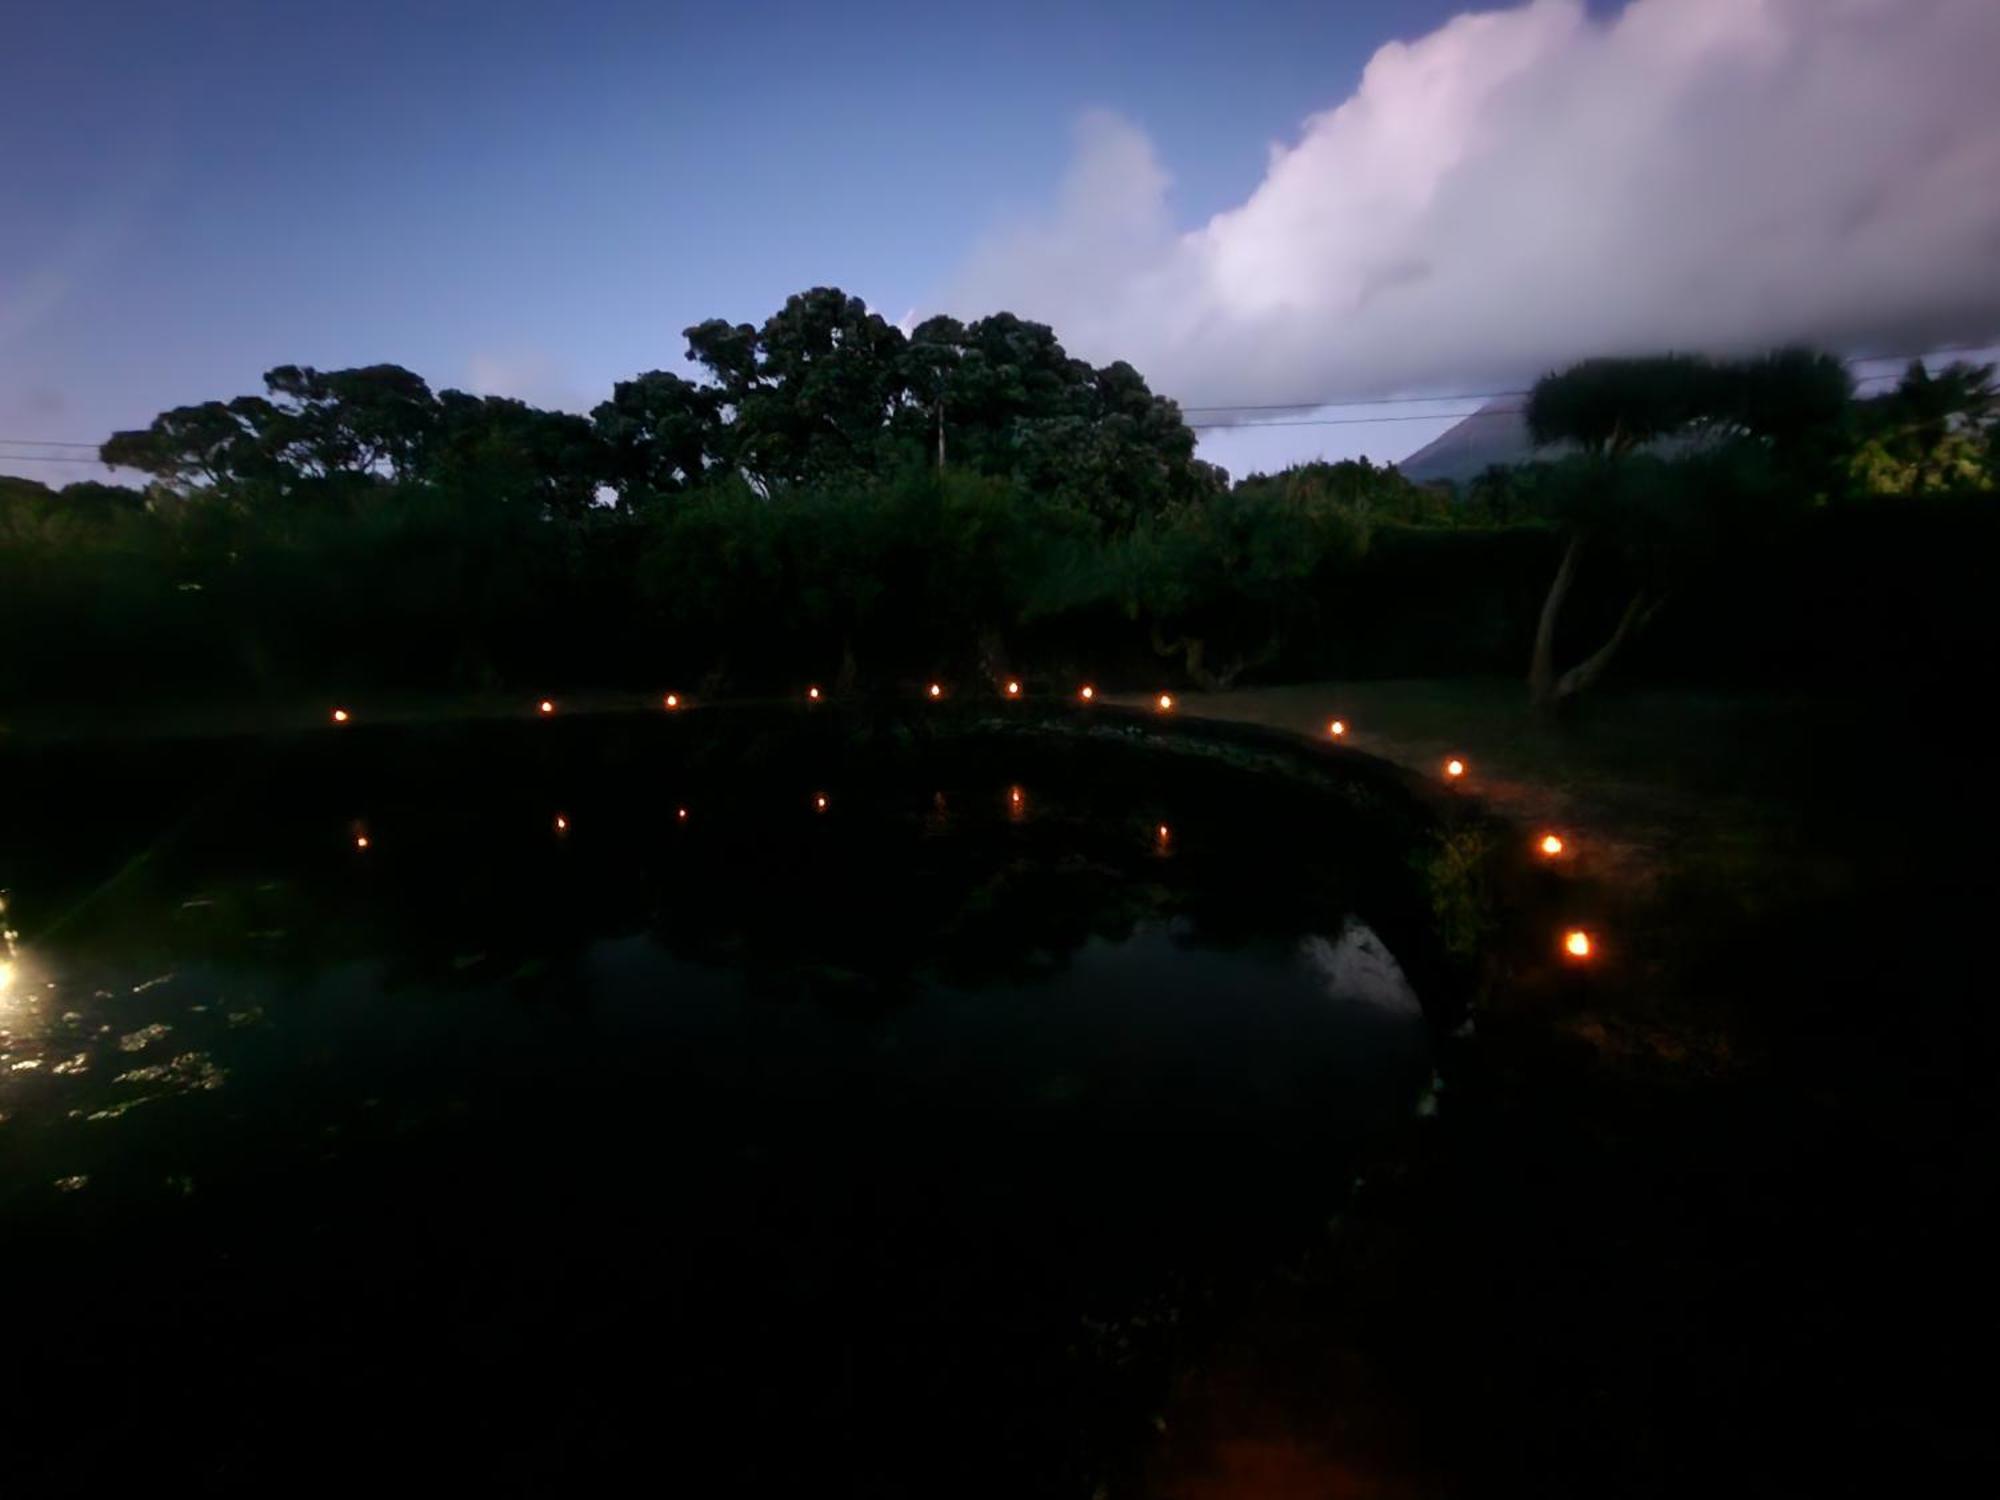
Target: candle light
1577, 943
340, 716
673, 700
812, 694
936, 690
681, 813
562, 824
1013, 688
819, 802
1454, 768
1166, 702
361, 841
1551, 845
546, 706
1086, 692
1338, 729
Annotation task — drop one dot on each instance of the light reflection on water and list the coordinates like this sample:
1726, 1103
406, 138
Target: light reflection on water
920, 1089
959, 955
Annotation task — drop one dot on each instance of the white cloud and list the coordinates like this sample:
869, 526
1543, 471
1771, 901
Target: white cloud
1523, 187
527, 375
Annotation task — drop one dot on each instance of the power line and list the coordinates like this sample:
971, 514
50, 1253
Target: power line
1371, 401
1321, 405
1857, 359
43, 458
1426, 416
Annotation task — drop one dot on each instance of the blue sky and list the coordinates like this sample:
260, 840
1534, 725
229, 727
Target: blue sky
540, 197
536, 199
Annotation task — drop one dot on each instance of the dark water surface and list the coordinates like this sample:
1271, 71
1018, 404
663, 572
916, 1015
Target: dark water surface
551, 1137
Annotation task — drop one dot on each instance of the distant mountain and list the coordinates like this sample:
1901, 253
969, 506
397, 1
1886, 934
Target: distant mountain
1495, 434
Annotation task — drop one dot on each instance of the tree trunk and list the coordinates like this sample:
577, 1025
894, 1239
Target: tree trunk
1542, 667
1193, 651
1582, 676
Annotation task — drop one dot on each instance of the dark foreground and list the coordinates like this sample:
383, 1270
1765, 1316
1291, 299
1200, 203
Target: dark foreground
957, 1182
447, 1109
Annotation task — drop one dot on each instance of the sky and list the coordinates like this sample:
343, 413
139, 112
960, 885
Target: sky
1282, 202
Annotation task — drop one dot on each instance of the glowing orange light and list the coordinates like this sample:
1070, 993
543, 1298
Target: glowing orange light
340, 716
546, 706
681, 813
1087, 692
673, 700
1163, 833
1550, 845
1013, 689
936, 691
361, 841
1166, 702
813, 694
562, 824
819, 803
1454, 768
1014, 796
1337, 728
1576, 943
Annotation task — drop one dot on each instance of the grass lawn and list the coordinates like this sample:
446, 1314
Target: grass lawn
1686, 815
1680, 1216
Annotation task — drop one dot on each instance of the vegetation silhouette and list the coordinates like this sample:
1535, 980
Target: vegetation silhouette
837, 498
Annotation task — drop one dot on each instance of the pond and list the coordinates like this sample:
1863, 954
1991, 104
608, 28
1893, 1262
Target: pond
772, 1109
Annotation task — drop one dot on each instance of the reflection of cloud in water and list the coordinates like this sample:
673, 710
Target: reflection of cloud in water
1357, 968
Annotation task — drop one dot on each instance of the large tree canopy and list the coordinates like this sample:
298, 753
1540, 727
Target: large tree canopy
824, 392
827, 389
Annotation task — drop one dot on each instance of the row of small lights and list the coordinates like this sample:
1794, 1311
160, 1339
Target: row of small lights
1016, 808
546, 707
1577, 942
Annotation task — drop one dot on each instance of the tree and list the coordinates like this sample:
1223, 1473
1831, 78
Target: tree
1365, 492
826, 391
810, 394
1739, 422
1001, 396
498, 451
1223, 584
372, 423
1932, 433
661, 433
313, 432
214, 444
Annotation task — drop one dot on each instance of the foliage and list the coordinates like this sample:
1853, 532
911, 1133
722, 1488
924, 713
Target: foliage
787, 512
823, 393
1224, 583
1932, 433
1677, 453
1610, 406
826, 391
1792, 401
1456, 870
